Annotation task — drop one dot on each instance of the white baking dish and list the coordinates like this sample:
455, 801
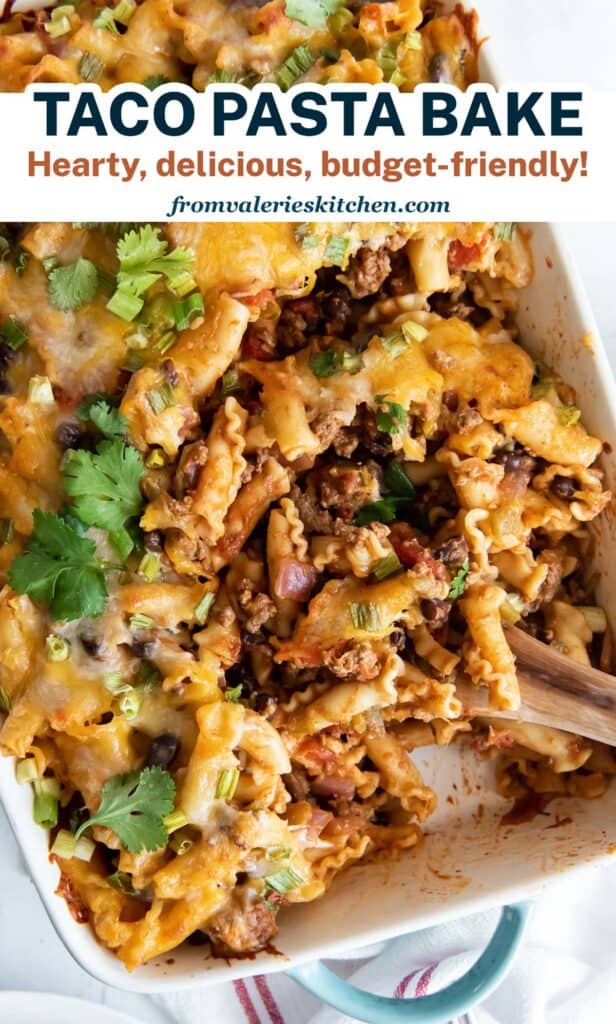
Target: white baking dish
469, 861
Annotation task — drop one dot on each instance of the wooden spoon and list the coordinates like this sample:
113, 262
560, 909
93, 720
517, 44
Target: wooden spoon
555, 691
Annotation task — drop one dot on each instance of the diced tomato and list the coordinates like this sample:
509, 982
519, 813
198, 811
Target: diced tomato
315, 756
459, 256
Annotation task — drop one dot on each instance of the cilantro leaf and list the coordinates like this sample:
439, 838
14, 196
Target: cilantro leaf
154, 81
105, 485
385, 510
98, 408
313, 13
144, 260
58, 569
391, 417
398, 481
133, 806
73, 285
459, 581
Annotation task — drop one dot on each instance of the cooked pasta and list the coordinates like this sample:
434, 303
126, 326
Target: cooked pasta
251, 545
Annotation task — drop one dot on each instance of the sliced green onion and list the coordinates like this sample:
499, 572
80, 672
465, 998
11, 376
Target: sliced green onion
203, 608
155, 81
395, 344
220, 75
227, 783
90, 67
115, 683
48, 786
129, 704
165, 342
336, 248
181, 843
124, 304
7, 531
340, 21
387, 565
278, 852
161, 398
413, 331
230, 381
14, 333
57, 648
365, 616
140, 621
187, 310
148, 677
134, 361
60, 22
595, 617
44, 807
233, 693
325, 364
40, 391
412, 41
284, 880
84, 849
155, 459
149, 566
299, 61
503, 231
568, 415
139, 338
309, 242
124, 11
105, 19
5, 700
64, 844
182, 283
122, 882
177, 819
26, 770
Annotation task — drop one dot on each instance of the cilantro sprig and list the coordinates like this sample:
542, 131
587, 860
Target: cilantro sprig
133, 806
394, 505
70, 287
391, 417
458, 583
313, 13
58, 568
144, 260
105, 488
100, 410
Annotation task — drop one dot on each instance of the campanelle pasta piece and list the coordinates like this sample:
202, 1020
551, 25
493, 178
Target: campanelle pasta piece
538, 427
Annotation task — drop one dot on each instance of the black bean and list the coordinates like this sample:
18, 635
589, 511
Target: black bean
7, 356
170, 372
68, 434
163, 750
265, 704
453, 552
435, 611
154, 540
92, 645
516, 462
143, 648
380, 817
450, 399
563, 487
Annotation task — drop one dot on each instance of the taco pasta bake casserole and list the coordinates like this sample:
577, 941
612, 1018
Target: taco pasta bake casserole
266, 493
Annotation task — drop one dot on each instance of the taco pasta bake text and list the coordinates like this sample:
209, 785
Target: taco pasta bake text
266, 492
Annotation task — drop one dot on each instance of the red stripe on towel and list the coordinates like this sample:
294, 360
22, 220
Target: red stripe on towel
404, 984
268, 999
424, 981
246, 1002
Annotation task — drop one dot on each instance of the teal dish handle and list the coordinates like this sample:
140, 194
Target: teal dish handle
481, 979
